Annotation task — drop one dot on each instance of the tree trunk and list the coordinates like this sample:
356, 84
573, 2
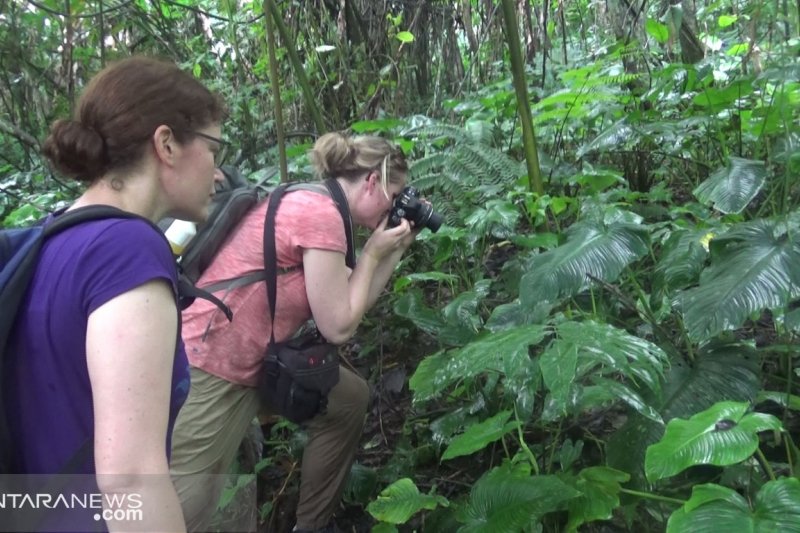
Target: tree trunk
523, 103
297, 66
276, 90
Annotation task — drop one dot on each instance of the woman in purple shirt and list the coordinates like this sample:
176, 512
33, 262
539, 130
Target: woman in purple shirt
95, 362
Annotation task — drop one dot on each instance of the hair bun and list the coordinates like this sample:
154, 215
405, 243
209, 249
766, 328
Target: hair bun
76, 151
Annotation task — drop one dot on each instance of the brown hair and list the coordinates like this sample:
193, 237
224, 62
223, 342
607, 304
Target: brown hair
120, 109
337, 155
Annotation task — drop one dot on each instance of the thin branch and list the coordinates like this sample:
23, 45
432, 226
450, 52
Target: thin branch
211, 15
16, 132
85, 16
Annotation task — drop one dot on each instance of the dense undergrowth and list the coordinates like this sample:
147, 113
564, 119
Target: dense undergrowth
619, 354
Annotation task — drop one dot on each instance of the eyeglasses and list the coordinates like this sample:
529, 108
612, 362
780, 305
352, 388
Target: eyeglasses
222, 153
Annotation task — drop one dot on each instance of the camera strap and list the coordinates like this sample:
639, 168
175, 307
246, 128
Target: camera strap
344, 209
270, 250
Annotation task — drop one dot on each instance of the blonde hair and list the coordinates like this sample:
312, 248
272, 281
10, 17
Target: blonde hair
337, 155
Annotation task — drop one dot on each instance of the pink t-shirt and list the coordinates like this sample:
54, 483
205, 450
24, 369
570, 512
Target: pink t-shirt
234, 350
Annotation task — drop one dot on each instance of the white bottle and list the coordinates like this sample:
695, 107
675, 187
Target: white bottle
179, 233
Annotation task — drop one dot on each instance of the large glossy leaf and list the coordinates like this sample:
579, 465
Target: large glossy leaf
515, 314
790, 401
753, 267
480, 435
682, 259
720, 372
503, 500
720, 98
722, 435
494, 352
730, 189
453, 329
599, 487
713, 508
401, 500
621, 133
602, 251
591, 349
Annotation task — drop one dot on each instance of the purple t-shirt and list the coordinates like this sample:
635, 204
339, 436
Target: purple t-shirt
47, 387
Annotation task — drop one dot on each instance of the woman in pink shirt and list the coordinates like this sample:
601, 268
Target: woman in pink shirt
226, 357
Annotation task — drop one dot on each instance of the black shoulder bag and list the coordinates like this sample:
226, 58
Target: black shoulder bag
299, 373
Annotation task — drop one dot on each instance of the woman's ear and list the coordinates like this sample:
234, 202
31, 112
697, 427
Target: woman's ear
372, 181
164, 144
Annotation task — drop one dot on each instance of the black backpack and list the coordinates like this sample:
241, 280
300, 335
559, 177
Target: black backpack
233, 198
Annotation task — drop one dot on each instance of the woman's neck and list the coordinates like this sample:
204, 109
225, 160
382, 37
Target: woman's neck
134, 193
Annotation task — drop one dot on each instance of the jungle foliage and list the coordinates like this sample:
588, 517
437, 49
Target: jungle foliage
618, 353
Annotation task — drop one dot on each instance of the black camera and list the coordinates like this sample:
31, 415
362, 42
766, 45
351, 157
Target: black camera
408, 205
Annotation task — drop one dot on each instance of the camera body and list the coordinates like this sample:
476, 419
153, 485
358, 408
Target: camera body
408, 205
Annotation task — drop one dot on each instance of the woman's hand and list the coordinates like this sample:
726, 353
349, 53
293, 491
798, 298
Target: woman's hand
385, 241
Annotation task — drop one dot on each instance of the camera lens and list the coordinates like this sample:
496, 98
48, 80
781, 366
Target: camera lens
432, 221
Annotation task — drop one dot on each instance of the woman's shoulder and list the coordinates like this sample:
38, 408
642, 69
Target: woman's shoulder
123, 242
309, 204
123, 235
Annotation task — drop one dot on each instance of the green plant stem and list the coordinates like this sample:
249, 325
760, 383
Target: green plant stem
650, 496
524, 445
789, 458
765, 464
276, 92
687, 341
789, 376
553, 449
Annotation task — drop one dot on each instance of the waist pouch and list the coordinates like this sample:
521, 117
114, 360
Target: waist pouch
297, 376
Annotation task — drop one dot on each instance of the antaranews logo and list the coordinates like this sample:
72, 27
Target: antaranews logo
108, 507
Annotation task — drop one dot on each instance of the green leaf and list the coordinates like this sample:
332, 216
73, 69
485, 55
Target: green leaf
713, 508
514, 314
24, 215
726, 20
383, 527
489, 353
658, 31
360, 484
411, 305
401, 500
381, 125
624, 393
753, 267
725, 97
599, 487
480, 435
503, 500
559, 364
738, 49
682, 259
730, 189
592, 349
404, 281
791, 401
569, 453
722, 435
720, 372
602, 251
424, 381
620, 134
405, 37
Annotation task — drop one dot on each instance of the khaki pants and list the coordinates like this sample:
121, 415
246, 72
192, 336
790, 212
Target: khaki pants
215, 418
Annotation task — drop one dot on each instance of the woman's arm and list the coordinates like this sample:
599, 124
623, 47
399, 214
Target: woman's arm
130, 347
337, 302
